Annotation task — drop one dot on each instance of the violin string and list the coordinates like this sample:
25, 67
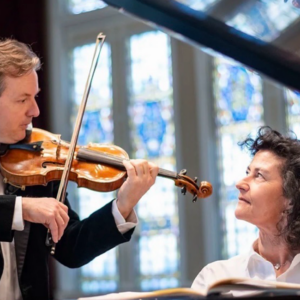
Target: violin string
95, 156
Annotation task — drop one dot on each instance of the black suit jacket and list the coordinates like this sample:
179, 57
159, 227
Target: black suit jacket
82, 240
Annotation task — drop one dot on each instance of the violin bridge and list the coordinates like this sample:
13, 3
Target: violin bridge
58, 149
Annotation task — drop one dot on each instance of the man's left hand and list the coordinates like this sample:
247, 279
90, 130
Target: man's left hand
141, 176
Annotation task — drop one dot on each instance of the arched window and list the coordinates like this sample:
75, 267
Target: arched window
238, 113
165, 101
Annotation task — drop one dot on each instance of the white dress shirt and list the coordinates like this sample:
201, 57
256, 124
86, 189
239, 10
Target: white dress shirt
250, 265
9, 283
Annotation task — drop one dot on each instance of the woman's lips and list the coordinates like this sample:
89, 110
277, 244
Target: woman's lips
244, 200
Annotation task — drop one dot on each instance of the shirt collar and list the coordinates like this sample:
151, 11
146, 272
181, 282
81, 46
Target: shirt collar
253, 255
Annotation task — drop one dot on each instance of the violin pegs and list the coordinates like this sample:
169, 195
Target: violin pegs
183, 172
196, 179
183, 190
195, 198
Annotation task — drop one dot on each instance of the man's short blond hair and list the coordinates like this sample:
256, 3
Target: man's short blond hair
16, 59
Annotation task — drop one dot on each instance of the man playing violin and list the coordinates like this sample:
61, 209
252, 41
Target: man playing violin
25, 216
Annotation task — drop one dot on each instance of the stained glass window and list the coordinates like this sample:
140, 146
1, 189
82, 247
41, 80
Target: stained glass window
152, 136
81, 6
265, 19
97, 124
293, 111
101, 274
239, 113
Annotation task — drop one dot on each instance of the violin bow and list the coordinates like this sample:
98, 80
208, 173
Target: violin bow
65, 175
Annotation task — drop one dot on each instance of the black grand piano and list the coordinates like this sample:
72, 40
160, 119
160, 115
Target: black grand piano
185, 20
201, 29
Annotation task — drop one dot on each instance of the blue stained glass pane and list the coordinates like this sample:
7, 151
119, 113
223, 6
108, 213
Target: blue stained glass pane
151, 108
97, 123
81, 6
100, 275
293, 111
152, 132
94, 286
157, 255
239, 113
153, 220
265, 19
156, 284
152, 127
158, 261
239, 94
151, 77
96, 126
240, 234
233, 160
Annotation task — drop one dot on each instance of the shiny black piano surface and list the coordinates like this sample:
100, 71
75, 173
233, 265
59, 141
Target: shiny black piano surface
201, 29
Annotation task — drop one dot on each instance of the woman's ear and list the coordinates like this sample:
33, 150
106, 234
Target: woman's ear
288, 207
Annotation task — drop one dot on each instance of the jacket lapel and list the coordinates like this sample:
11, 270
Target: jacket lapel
1, 262
20, 237
21, 241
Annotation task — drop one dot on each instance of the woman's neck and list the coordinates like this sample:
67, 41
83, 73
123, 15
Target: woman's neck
275, 250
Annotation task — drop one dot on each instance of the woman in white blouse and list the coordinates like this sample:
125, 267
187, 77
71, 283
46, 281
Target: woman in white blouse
269, 197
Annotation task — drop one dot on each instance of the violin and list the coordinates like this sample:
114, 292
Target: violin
98, 167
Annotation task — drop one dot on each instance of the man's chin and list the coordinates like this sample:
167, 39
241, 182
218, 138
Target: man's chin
21, 136
15, 138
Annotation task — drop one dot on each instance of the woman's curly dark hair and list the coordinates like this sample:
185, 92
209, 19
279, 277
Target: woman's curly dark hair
287, 148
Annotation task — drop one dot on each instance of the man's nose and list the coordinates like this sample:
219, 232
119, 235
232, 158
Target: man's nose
34, 110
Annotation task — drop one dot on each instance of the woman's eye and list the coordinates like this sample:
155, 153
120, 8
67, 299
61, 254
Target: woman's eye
259, 175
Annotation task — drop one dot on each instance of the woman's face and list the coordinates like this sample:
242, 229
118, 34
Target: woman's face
261, 201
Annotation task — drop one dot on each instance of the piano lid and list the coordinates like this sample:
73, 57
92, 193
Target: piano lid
235, 37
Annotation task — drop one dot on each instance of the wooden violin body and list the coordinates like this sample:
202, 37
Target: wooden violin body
97, 167
25, 168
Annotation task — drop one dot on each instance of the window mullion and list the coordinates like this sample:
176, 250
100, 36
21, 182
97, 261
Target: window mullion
120, 93
274, 106
210, 220
187, 153
122, 139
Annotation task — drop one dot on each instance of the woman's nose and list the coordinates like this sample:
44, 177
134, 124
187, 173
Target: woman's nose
242, 185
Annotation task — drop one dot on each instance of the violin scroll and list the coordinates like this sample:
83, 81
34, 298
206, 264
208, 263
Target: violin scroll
205, 189
188, 184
